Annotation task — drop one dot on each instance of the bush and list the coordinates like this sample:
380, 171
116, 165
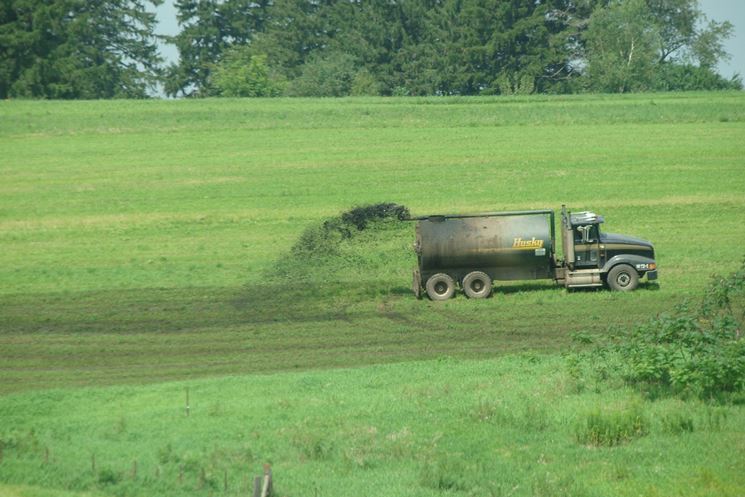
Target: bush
243, 74
329, 75
698, 352
687, 77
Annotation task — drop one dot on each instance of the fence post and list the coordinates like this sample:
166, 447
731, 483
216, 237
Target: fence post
266, 489
257, 487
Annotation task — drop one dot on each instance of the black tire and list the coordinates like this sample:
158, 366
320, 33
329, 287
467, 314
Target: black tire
623, 278
440, 287
477, 285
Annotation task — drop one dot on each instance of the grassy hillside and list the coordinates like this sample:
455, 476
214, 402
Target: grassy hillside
517, 426
147, 242
142, 240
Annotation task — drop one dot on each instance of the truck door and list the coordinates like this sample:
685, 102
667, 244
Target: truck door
586, 246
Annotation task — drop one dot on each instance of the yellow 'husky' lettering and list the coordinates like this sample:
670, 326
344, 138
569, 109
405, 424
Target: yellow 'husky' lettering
519, 243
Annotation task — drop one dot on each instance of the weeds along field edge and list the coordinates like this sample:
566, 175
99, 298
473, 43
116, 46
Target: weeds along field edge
515, 424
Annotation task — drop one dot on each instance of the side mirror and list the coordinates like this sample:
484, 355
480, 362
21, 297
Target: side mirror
585, 230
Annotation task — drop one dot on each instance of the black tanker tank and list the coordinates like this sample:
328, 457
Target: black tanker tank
474, 249
505, 246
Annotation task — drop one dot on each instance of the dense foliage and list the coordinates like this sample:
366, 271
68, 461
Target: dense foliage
246, 48
74, 49
699, 350
451, 47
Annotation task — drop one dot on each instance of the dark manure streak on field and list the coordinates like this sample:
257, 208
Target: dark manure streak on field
338, 298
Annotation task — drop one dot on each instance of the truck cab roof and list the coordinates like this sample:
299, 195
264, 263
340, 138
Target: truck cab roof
585, 217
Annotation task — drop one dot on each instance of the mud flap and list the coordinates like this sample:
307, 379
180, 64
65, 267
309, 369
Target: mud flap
416, 284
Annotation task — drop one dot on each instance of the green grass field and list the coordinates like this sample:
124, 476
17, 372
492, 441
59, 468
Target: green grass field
149, 243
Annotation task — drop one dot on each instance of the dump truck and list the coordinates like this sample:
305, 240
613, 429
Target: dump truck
471, 251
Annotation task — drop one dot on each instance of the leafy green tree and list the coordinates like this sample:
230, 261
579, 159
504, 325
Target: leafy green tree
638, 45
241, 74
74, 49
685, 33
208, 28
330, 75
622, 43
447, 47
689, 77
708, 46
365, 84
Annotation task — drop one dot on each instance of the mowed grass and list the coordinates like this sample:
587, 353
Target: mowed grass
140, 239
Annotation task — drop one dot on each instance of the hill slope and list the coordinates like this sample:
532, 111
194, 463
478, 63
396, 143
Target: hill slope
140, 239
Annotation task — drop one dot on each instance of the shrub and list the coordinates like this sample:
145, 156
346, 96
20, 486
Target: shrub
697, 352
328, 75
243, 74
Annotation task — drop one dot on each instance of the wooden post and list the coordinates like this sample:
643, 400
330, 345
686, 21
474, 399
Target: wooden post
187, 402
257, 487
266, 489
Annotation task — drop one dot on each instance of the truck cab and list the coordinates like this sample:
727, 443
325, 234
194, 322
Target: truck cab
595, 258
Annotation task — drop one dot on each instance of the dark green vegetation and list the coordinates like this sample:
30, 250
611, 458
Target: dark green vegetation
697, 351
199, 241
73, 49
69, 49
450, 47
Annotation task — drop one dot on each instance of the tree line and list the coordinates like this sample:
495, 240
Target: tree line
264, 48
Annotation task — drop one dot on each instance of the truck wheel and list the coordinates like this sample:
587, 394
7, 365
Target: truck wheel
440, 287
477, 285
623, 278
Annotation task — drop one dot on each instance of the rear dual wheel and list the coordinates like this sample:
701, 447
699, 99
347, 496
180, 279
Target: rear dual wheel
440, 286
477, 285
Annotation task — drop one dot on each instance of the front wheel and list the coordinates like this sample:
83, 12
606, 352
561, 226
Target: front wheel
623, 278
440, 287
